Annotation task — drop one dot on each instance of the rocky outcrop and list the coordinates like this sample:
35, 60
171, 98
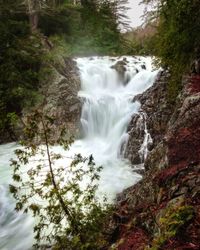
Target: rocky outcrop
157, 112
120, 67
162, 211
61, 99
58, 99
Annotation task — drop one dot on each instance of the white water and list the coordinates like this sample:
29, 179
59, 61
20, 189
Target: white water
15, 228
143, 151
106, 112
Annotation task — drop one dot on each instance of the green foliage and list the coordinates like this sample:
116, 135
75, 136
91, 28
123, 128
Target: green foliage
58, 19
90, 28
175, 217
85, 28
68, 215
177, 41
19, 63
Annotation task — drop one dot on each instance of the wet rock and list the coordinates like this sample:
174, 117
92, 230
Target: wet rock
120, 67
61, 100
158, 112
60, 97
143, 66
170, 187
136, 137
157, 158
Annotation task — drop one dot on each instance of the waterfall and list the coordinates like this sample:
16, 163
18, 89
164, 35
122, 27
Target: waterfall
143, 151
107, 110
108, 107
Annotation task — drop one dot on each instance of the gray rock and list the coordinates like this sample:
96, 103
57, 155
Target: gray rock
158, 112
120, 68
61, 100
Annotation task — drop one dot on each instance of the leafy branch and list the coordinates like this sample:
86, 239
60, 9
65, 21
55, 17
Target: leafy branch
62, 199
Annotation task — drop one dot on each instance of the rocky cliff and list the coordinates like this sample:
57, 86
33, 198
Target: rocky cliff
58, 93
60, 96
162, 211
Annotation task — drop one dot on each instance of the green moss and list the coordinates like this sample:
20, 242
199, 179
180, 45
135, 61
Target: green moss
174, 87
174, 218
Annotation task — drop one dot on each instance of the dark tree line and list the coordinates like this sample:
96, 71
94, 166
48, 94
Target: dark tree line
85, 27
177, 40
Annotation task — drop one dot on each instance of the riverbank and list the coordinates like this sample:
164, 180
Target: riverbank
162, 210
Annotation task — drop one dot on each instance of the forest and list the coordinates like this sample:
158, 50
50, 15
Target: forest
31, 29
35, 35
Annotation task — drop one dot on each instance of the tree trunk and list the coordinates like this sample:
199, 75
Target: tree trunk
33, 8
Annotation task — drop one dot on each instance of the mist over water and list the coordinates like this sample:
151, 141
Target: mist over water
106, 112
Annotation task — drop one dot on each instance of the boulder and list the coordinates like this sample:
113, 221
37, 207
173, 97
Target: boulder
120, 67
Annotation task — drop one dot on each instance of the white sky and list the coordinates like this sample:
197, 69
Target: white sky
135, 12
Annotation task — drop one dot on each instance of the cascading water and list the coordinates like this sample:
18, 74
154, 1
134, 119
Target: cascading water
15, 228
107, 110
143, 151
106, 113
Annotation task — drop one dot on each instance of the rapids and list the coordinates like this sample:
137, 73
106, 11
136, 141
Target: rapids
106, 112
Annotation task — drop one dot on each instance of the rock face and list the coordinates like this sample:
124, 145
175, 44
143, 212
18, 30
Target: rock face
162, 211
120, 67
61, 100
157, 113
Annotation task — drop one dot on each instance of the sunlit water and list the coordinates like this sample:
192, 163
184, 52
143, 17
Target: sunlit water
107, 110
